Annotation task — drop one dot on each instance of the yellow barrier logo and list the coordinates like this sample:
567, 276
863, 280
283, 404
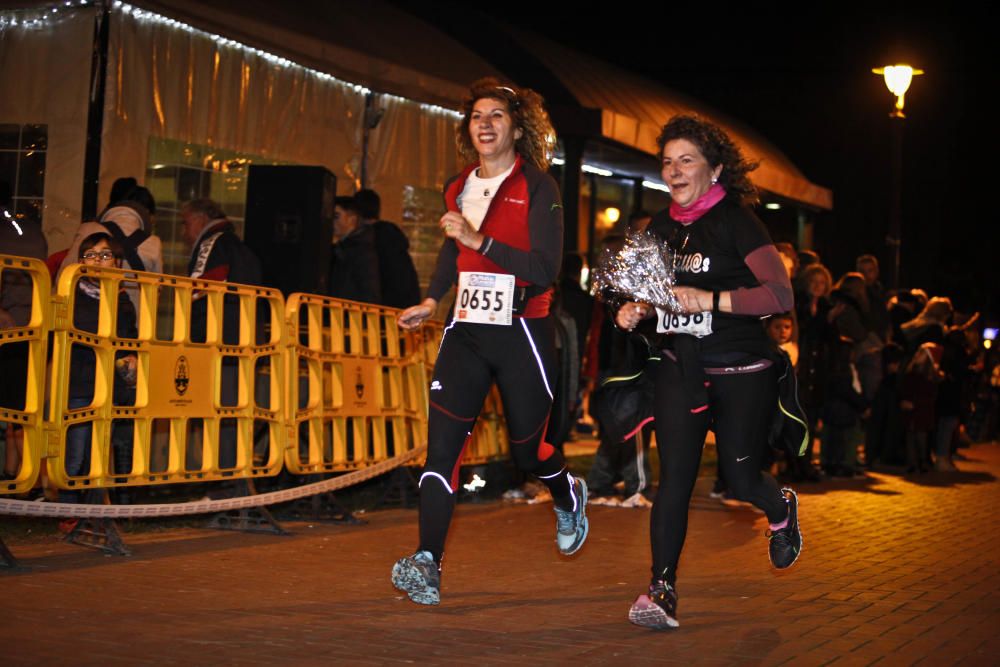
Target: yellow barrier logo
181, 376
359, 384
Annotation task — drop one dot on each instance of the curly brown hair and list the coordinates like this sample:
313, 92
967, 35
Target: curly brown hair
718, 149
538, 137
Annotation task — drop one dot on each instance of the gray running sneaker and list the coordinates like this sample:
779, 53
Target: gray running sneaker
571, 525
419, 577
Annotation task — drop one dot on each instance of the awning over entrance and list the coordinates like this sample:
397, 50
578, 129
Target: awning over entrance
632, 109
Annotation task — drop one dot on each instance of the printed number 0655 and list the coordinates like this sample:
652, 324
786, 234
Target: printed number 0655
480, 300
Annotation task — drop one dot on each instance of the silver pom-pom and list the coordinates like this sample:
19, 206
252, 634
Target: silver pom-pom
642, 271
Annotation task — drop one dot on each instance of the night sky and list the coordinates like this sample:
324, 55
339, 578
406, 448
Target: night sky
804, 82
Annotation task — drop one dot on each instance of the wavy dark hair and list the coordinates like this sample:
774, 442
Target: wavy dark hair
538, 137
718, 149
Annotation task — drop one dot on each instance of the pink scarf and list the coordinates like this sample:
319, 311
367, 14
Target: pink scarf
698, 208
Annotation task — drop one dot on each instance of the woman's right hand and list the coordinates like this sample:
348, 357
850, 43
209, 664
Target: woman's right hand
414, 316
631, 314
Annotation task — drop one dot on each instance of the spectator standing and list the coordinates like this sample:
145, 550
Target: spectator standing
397, 275
842, 409
218, 253
930, 325
917, 397
855, 321
817, 333
573, 300
884, 429
130, 221
354, 264
870, 361
781, 329
953, 395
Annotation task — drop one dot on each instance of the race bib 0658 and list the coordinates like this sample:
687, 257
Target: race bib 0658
485, 298
695, 324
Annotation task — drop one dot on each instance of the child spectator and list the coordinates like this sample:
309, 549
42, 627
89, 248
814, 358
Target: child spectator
781, 329
98, 250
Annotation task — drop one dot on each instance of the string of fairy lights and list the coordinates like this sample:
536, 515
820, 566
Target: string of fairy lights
44, 16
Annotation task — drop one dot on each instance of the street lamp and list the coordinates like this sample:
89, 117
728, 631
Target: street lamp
897, 80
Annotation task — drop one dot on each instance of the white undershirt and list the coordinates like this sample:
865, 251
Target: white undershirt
477, 195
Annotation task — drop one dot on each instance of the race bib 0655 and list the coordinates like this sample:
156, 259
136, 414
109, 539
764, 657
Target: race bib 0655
485, 298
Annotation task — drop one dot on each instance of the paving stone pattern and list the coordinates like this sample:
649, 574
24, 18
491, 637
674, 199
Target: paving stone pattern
895, 571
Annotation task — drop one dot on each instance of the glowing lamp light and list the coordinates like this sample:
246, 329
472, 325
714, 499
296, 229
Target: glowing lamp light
773, 206
897, 80
612, 214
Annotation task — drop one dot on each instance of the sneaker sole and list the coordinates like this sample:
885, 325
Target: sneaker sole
409, 580
578, 543
802, 541
651, 616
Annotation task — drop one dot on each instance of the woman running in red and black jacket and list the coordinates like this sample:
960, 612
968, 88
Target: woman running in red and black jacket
503, 249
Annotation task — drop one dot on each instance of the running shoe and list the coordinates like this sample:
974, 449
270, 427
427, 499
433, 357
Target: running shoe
571, 525
419, 577
786, 543
657, 609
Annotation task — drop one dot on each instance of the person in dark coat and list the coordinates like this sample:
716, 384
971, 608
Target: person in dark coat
354, 263
397, 275
884, 430
218, 253
815, 313
845, 403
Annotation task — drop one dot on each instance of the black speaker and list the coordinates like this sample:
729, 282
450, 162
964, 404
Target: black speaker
289, 225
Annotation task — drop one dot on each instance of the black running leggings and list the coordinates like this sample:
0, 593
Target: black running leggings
521, 359
741, 407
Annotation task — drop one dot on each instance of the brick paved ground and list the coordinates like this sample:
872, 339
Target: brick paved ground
894, 571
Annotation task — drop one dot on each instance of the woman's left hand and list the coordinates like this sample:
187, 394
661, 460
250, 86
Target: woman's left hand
458, 228
694, 300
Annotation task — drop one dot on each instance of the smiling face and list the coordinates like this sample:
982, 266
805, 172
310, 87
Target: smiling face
818, 285
686, 171
492, 130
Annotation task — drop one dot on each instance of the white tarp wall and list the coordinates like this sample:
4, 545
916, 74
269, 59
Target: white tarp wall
44, 76
176, 83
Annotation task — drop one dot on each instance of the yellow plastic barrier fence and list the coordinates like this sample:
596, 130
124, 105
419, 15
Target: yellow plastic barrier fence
358, 393
23, 340
205, 400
